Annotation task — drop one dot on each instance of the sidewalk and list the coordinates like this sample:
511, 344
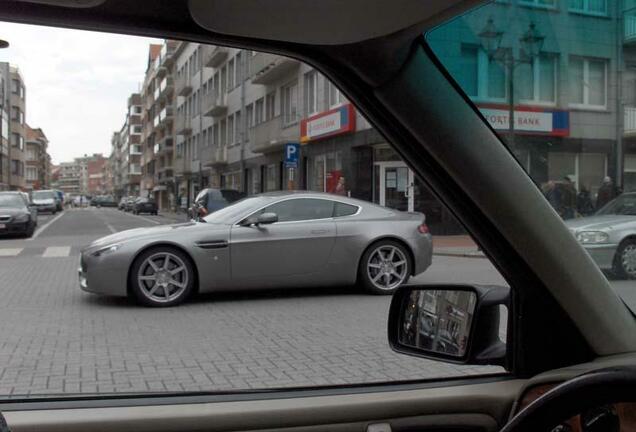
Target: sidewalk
456, 246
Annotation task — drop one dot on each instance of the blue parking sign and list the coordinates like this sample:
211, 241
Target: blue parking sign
292, 151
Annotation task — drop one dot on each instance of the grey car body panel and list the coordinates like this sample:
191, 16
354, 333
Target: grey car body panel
617, 227
229, 256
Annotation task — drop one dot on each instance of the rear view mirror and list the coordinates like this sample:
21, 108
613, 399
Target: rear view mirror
267, 218
454, 323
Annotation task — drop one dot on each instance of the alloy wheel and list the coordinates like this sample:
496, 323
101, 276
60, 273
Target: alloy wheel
162, 277
628, 260
387, 267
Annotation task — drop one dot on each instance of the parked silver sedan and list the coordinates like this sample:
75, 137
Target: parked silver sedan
271, 240
610, 235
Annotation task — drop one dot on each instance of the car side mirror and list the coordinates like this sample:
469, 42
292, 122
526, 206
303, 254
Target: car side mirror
266, 218
454, 323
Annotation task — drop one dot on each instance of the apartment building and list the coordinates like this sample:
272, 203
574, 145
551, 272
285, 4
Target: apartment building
95, 172
82, 176
69, 180
38, 161
158, 97
17, 128
130, 146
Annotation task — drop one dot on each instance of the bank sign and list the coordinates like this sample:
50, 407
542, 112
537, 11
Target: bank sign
529, 120
329, 123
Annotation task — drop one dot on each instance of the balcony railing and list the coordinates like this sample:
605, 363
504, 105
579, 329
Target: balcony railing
183, 124
630, 28
629, 128
266, 68
213, 156
272, 135
213, 56
215, 104
184, 84
166, 114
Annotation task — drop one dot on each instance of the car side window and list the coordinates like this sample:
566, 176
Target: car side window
301, 209
342, 209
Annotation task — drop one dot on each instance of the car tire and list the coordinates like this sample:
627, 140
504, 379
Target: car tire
153, 286
30, 230
384, 267
625, 260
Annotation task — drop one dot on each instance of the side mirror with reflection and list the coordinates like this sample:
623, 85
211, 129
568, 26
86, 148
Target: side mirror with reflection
262, 219
453, 323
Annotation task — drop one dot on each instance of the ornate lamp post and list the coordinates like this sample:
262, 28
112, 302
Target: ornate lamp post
531, 45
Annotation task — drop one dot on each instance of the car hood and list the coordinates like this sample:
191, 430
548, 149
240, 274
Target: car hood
601, 222
44, 201
163, 232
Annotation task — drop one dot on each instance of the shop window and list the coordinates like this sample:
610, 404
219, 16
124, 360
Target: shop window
588, 169
324, 172
271, 178
588, 82
537, 81
629, 176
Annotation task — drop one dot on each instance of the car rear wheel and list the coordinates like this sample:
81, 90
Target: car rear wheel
384, 266
161, 277
625, 260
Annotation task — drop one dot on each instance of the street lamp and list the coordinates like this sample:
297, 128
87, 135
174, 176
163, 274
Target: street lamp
531, 45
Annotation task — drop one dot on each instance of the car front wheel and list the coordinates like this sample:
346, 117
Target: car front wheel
625, 260
161, 277
384, 266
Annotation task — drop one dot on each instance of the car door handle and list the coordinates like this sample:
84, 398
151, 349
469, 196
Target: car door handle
319, 231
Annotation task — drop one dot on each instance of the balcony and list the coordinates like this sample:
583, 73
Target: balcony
272, 135
268, 68
215, 104
166, 115
184, 124
182, 166
164, 145
165, 87
213, 56
629, 35
629, 127
184, 84
167, 54
213, 156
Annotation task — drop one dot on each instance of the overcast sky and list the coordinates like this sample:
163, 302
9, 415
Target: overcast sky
77, 83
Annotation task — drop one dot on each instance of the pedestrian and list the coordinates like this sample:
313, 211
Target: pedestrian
584, 202
553, 195
340, 187
568, 198
606, 192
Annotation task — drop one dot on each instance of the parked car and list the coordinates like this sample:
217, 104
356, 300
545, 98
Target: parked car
122, 203
103, 201
210, 200
333, 241
60, 199
17, 215
608, 235
46, 201
145, 205
130, 202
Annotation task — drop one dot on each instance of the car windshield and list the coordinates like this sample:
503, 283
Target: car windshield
11, 200
623, 205
43, 195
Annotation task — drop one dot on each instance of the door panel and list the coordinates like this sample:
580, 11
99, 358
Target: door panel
482, 406
281, 249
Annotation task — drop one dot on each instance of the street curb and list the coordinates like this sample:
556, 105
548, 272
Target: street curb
461, 255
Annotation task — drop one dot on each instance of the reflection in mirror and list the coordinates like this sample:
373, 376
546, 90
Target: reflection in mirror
438, 320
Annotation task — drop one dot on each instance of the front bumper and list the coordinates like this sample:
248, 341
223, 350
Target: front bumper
103, 275
46, 208
14, 227
602, 254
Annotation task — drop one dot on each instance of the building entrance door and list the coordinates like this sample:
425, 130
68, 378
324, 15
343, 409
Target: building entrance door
395, 185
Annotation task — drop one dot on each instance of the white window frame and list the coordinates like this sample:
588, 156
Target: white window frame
483, 64
339, 97
586, 95
536, 90
311, 93
535, 4
586, 9
287, 117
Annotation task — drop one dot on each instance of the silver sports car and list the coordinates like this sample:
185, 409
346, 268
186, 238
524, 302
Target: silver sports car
610, 235
271, 240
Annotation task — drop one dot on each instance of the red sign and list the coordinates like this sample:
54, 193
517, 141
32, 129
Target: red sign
329, 123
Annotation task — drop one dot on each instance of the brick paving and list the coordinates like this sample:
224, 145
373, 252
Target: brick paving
55, 339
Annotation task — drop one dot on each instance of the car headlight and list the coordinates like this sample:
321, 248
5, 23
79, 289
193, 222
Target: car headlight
106, 250
22, 218
590, 237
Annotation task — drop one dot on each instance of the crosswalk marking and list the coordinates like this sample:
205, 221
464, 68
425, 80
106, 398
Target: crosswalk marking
56, 251
8, 252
